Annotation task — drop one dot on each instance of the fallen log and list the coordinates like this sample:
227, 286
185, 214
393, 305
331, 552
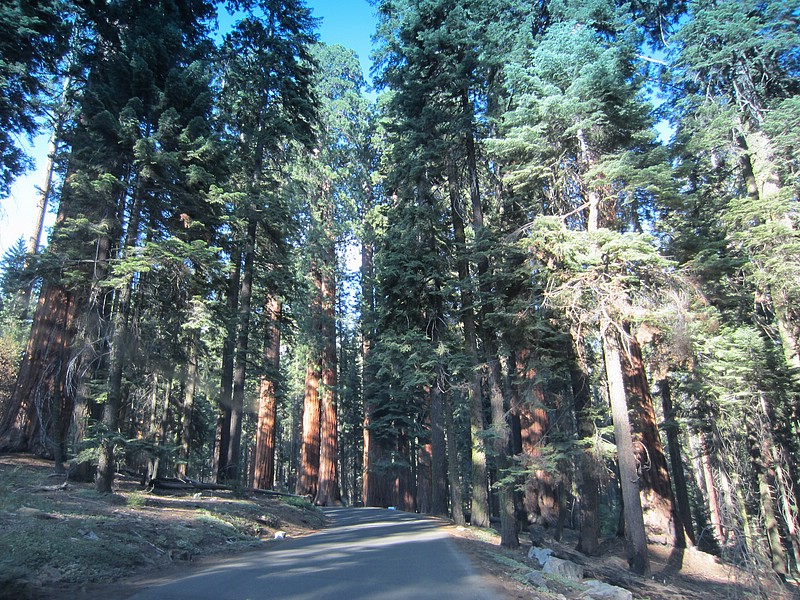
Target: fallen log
172, 483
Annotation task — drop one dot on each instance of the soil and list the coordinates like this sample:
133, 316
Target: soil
84, 545
676, 574
62, 539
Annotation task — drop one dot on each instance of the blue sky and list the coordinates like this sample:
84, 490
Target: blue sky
350, 23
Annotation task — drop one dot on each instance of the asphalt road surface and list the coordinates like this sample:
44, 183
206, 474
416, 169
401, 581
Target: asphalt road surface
366, 554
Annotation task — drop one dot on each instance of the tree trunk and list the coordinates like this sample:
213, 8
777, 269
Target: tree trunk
501, 436
438, 450
264, 474
119, 343
454, 468
540, 498
233, 471
222, 436
662, 521
188, 403
674, 447
479, 516
328, 492
308, 469
424, 489
635, 537
587, 474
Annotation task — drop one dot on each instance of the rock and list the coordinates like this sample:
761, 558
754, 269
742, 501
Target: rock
537, 580
563, 568
539, 554
603, 591
281, 535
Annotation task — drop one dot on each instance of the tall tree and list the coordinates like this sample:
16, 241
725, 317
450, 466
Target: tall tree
266, 103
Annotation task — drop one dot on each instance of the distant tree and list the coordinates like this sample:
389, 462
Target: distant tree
33, 38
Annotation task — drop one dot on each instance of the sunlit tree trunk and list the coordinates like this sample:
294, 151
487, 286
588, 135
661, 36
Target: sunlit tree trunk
328, 492
662, 521
635, 536
308, 469
264, 473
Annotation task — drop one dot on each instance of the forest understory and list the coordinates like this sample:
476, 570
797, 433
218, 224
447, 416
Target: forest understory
88, 546
541, 268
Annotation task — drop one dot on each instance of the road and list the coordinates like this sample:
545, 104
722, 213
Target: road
366, 554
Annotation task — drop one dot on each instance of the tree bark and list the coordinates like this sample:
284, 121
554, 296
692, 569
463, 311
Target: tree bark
454, 468
501, 444
587, 474
222, 437
540, 498
676, 462
264, 474
635, 536
479, 515
233, 471
662, 521
308, 469
328, 492
188, 403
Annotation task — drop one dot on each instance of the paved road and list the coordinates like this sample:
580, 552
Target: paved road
367, 554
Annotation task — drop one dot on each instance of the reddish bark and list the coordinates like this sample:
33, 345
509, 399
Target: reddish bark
39, 412
661, 517
541, 501
264, 473
308, 469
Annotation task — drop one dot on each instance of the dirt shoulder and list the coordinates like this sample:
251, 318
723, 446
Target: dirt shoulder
686, 574
57, 536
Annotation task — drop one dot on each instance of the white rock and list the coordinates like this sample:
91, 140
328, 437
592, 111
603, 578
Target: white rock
603, 591
563, 568
539, 554
281, 535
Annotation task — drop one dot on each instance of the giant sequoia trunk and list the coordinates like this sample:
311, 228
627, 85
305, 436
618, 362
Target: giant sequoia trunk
328, 492
264, 474
540, 497
662, 521
308, 469
635, 536
39, 412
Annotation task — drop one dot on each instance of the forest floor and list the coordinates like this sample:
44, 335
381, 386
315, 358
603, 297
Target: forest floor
64, 540
676, 574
